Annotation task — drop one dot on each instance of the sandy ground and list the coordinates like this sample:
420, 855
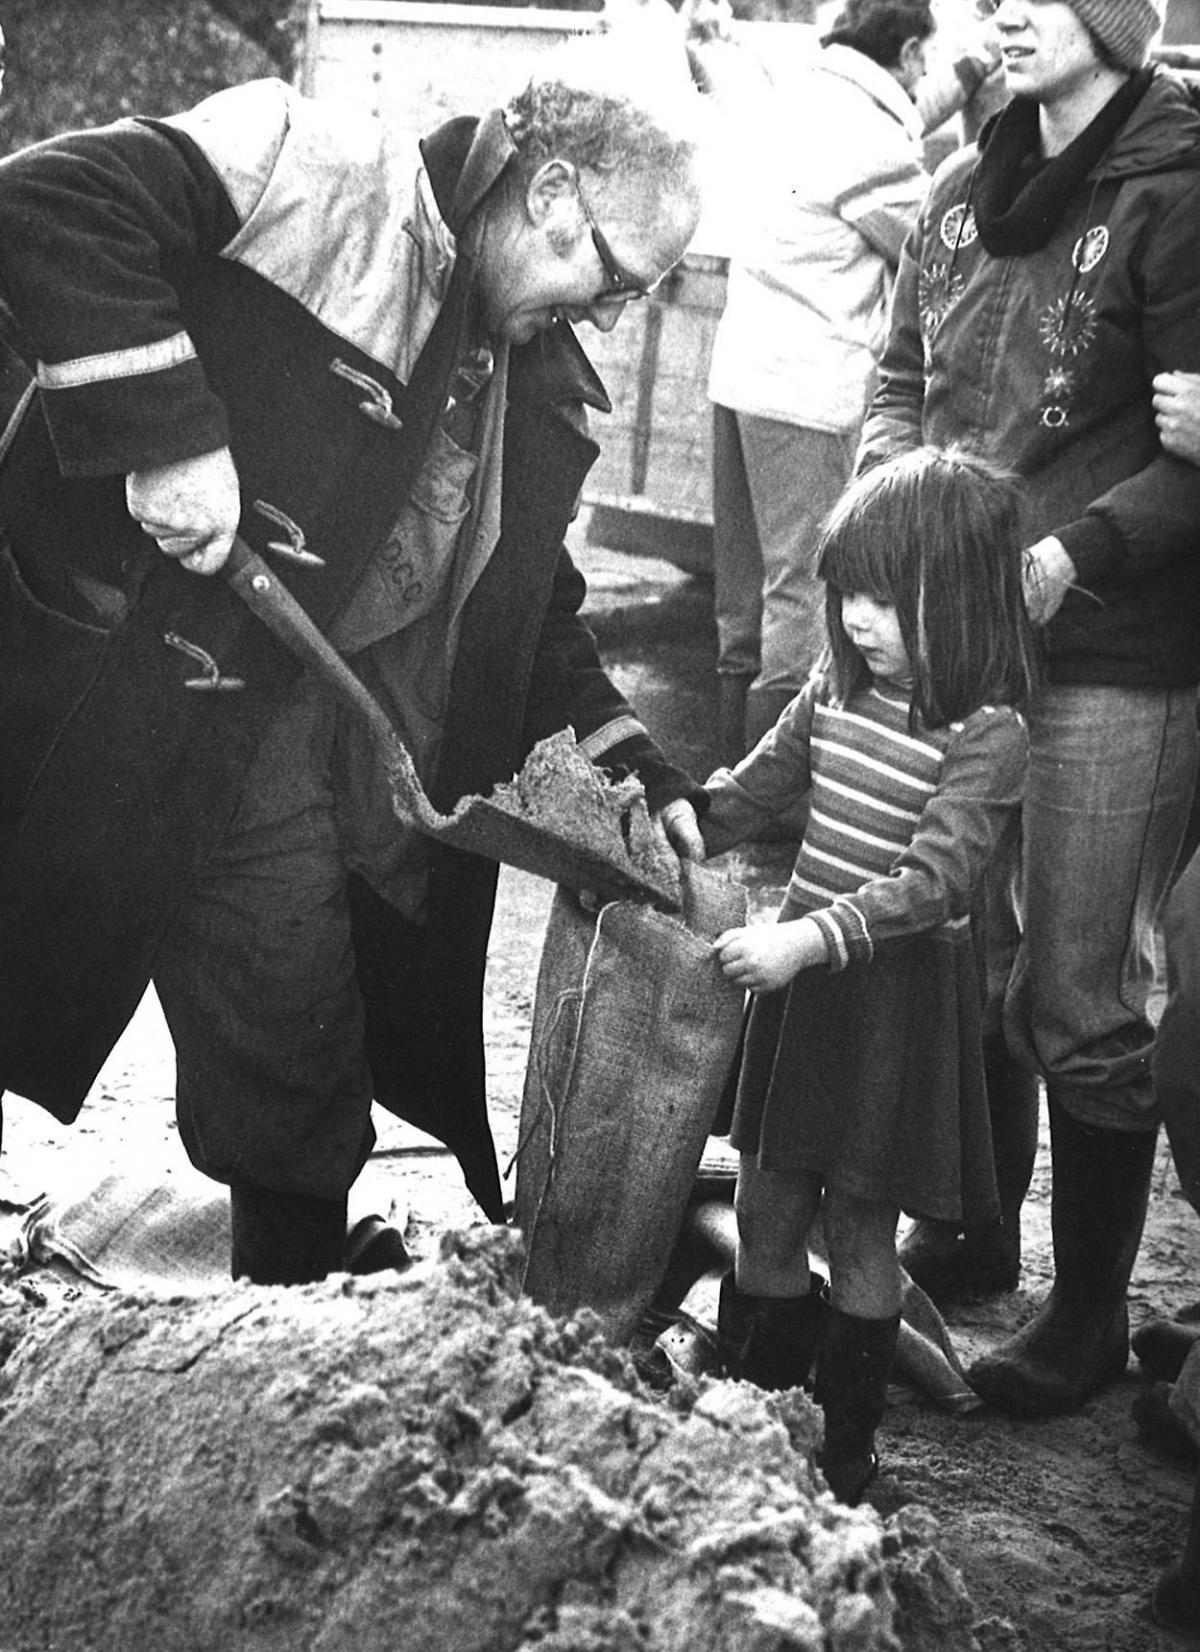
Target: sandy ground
1059, 1527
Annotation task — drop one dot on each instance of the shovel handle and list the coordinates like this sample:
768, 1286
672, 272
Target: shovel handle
261, 589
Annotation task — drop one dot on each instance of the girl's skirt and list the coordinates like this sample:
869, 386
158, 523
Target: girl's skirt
872, 1079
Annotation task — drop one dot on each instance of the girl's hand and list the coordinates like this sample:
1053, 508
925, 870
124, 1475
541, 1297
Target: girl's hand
764, 957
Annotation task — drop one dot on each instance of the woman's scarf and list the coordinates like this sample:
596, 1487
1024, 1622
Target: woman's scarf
1018, 198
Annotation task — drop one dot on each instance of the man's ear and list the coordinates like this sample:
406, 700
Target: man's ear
551, 185
910, 53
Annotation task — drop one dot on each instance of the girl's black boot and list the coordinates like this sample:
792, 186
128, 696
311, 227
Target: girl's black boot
852, 1383
771, 1341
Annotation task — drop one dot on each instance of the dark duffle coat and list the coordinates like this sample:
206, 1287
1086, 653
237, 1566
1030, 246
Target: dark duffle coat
174, 290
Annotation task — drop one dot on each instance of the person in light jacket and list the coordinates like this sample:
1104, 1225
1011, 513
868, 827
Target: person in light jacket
836, 187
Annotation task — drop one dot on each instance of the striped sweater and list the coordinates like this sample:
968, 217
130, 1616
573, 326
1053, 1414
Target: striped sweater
901, 823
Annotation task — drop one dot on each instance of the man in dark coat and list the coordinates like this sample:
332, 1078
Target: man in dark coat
275, 318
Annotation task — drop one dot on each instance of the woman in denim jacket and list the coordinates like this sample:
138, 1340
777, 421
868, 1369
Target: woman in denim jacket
1055, 270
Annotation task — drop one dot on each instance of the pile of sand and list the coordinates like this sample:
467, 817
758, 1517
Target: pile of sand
426, 1462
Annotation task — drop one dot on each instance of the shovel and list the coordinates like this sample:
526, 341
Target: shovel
602, 840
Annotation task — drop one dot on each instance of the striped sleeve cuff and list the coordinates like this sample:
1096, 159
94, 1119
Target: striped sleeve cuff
845, 935
116, 364
123, 410
600, 742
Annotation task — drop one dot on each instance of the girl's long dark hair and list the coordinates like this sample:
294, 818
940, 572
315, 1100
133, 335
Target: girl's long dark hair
937, 532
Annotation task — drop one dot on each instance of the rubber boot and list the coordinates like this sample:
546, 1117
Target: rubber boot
852, 1383
732, 687
1162, 1345
931, 1253
938, 1256
285, 1238
1175, 1603
1159, 1427
373, 1245
1079, 1338
771, 1341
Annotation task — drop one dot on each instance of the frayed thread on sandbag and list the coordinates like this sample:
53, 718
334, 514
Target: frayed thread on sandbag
548, 1109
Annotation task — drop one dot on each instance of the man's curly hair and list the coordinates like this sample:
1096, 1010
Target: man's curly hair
603, 131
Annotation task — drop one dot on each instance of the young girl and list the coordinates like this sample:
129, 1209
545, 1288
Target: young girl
861, 1090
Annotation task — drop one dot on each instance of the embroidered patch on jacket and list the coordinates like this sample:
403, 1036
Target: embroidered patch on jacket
939, 288
1067, 328
1090, 248
958, 227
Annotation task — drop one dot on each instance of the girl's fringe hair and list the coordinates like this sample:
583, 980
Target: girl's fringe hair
937, 532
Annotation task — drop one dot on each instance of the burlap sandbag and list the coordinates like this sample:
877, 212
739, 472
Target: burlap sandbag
634, 1032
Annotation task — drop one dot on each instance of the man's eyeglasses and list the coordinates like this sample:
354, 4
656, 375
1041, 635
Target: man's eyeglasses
622, 288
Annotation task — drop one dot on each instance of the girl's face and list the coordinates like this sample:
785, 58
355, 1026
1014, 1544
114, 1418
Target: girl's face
874, 629
1047, 53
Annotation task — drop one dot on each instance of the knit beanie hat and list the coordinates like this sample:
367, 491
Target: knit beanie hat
1126, 27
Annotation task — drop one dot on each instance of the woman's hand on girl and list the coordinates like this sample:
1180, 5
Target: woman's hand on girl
764, 957
1177, 413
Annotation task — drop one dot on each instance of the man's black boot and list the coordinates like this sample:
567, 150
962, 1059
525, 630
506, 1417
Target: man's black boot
285, 1238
